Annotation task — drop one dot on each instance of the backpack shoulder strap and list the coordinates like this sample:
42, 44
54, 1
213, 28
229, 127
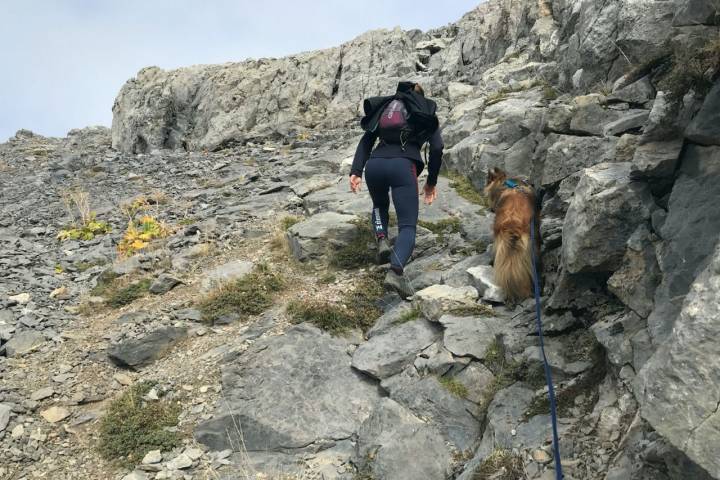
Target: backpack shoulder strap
373, 108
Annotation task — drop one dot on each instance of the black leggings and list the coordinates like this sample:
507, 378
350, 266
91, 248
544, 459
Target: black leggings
400, 176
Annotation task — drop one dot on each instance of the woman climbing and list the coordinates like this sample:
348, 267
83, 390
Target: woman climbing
402, 123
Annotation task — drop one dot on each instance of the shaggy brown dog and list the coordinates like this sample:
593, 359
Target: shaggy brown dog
513, 202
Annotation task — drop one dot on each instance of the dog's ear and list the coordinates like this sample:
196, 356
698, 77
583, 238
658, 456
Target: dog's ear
495, 174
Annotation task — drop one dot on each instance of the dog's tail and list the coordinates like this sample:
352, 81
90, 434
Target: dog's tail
513, 265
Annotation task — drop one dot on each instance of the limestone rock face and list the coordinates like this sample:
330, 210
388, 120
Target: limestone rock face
603, 214
690, 233
321, 396
679, 387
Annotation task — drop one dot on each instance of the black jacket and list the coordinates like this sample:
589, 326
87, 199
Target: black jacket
391, 150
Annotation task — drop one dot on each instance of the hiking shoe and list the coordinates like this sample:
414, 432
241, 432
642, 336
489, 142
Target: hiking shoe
384, 251
399, 283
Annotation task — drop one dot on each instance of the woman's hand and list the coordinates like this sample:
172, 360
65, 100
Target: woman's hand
355, 182
430, 192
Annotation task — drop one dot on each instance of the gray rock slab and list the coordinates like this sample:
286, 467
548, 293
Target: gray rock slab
604, 212
390, 318
637, 92
630, 120
615, 334
696, 12
387, 354
228, 272
471, 336
24, 342
657, 159
477, 379
689, 233
5, 411
401, 446
317, 235
289, 391
163, 284
428, 399
140, 352
679, 387
567, 154
705, 127
435, 300
505, 414
591, 118
483, 279
639, 275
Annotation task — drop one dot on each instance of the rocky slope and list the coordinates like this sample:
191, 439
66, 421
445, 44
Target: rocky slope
611, 106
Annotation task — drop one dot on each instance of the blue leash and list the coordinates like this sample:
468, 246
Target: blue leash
548, 373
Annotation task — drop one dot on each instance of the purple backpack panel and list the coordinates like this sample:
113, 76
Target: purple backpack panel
394, 117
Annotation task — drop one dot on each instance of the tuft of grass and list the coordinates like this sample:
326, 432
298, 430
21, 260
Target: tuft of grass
330, 317
694, 70
603, 87
444, 226
507, 372
504, 93
289, 221
104, 283
132, 427
358, 252
464, 187
85, 266
549, 93
128, 294
565, 397
327, 278
83, 224
454, 386
250, 295
501, 465
584, 345
410, 315
473, 310
496, 97
357, 309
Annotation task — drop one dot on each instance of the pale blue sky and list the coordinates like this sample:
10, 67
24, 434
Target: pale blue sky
63, 61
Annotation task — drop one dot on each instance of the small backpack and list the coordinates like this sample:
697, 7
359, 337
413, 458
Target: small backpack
392, 126
401, 118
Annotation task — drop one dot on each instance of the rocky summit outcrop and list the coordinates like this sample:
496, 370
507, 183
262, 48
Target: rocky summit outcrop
258, 314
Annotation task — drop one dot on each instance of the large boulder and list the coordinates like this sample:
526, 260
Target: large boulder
696, 12
705, 127
689, 232
615, 333
24, 342
656, 159
471, 336
288, 392
387, 354
316, 236
225, 273
457, 418
394, 444
567, 154
136, 353
436, 300
638, 277
590, 117
605, 211
211, 106
679, 387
